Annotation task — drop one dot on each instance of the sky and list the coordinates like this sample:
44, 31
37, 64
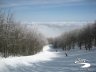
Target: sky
36, 11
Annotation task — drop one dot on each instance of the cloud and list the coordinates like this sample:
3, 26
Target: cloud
53, 29
11, 3
60, 25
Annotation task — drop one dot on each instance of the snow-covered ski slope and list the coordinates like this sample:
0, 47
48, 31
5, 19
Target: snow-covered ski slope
50, 61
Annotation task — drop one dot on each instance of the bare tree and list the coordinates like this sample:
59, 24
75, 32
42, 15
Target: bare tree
16, 39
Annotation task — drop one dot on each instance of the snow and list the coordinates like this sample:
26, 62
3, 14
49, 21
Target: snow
83, 61
50, 61
86, 65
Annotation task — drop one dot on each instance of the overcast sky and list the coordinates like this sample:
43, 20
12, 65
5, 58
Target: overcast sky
29, 11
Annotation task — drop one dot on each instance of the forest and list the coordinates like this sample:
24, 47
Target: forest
84, 38
16, 39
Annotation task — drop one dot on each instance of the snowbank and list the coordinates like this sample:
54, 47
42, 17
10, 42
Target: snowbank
14, 62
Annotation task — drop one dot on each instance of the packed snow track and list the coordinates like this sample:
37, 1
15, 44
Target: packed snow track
50, 61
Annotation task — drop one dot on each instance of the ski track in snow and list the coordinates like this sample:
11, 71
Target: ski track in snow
48, 61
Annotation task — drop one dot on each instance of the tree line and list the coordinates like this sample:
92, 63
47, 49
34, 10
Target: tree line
17, 39
84, 38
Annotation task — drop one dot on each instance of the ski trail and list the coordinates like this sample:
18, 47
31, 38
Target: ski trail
48, 61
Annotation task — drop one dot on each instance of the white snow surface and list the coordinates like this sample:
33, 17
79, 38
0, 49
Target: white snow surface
83, 62
49, 61
86, 65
